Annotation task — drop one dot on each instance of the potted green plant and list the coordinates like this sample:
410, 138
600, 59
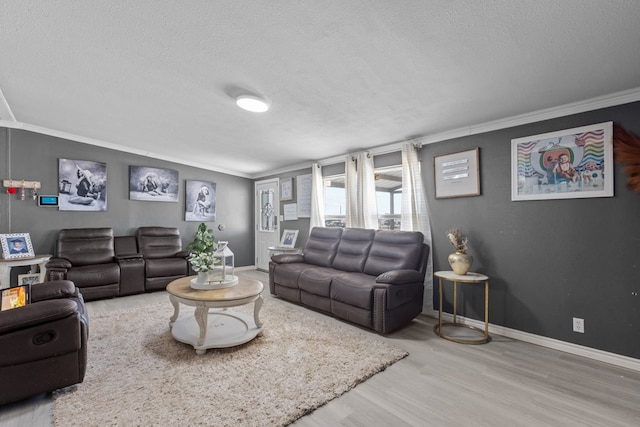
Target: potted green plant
203, 246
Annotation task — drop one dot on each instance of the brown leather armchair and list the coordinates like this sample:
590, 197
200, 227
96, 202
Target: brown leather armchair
86, 256
44, 344
164, 259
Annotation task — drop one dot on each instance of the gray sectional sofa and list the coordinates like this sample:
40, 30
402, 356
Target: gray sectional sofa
372, 278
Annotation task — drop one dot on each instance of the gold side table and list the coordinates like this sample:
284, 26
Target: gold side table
473, 278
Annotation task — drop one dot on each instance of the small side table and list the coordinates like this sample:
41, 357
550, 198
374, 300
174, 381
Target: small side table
474, 278
34, 261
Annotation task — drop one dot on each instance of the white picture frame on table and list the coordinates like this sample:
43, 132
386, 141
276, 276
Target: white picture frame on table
28, 279
16, 245
289, 238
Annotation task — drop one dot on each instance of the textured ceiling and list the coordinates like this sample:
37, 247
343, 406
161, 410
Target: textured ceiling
157, 77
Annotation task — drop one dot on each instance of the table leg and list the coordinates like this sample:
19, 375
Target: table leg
5, 276
256, 311
176, 310
455, 301
43, 270
202, 316
440, 307
486, 309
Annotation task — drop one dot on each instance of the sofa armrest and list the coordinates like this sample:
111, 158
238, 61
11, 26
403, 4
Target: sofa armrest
122, 257
61, 263
53, 290
400, 277
36, 314
287, 258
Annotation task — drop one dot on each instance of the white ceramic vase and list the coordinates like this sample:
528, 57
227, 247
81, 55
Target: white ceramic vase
203, 278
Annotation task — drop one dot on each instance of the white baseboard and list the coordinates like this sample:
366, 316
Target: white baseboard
567, 347
248, 267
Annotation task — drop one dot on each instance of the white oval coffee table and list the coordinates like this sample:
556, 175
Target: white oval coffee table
212, 325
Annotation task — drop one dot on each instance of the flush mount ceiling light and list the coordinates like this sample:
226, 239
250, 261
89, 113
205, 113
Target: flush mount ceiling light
252, 103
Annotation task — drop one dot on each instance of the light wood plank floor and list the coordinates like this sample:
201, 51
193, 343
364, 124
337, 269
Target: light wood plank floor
441, 383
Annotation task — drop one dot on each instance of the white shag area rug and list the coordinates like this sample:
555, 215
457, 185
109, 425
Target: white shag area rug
139, 375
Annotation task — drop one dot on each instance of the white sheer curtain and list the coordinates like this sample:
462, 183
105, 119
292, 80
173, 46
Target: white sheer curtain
367, 206
415, 213
351, 190
360, 191
317, 197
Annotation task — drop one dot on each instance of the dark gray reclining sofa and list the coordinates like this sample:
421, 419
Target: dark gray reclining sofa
373, 278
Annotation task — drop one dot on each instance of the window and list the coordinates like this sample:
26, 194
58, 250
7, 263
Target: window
335, 201
388, 197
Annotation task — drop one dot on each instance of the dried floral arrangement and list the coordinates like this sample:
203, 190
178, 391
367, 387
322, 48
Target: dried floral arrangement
458, 240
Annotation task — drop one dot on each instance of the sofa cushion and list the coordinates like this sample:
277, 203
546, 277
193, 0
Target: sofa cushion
394, 250
322, 246
95, 275
166, 267
86, 246
353, 249
317, 280
354, 289
158, 242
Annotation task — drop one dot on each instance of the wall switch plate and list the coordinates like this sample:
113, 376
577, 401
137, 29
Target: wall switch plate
578, 325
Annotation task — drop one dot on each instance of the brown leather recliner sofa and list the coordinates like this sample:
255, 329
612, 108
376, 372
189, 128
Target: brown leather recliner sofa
373, 278
44, 344
104, 266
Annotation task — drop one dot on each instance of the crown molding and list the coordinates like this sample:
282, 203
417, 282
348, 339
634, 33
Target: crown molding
109, 145
610, 100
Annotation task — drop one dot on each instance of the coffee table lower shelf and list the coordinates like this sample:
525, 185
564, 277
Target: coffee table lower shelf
225, 328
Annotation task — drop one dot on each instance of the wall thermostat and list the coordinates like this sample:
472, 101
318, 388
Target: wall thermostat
48, 201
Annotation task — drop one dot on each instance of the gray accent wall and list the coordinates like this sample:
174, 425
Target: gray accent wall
34, 157
548, 260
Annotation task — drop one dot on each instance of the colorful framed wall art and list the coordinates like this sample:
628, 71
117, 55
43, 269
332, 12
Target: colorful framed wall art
568, 164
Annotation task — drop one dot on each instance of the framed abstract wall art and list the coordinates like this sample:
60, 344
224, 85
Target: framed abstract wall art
153, 184
457, 174
572, 163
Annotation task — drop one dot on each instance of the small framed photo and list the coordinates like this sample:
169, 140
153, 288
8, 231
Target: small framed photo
286, 189
16, 245
15, 297
289, 238
28, 279
457, 174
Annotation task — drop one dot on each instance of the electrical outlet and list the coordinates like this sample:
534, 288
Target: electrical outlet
578, 325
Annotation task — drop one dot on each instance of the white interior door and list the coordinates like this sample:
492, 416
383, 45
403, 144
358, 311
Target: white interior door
267, 224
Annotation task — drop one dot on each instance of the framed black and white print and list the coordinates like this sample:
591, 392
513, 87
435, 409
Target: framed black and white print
153, 184
82, 185
200, 201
